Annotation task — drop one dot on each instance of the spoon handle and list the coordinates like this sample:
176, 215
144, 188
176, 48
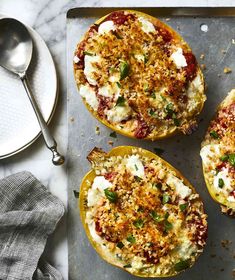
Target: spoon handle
57, 158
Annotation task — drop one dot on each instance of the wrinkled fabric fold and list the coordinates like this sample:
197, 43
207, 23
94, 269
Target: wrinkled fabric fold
28, 214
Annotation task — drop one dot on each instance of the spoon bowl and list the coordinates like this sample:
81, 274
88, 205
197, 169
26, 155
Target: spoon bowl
16, 49
16, 46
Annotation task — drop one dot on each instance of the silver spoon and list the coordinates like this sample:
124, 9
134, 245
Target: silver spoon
16, 48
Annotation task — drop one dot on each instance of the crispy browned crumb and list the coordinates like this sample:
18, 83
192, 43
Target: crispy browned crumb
71, 119
110, 143
227, 70
202, 56
203, 66
97, 130
222, 269
226, 243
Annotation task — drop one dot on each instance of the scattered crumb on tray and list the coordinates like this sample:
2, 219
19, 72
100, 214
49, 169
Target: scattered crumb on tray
110, 143
213, 255
226, 243
223, 51
71, 119
227, 70
202, 56
203, 66
233, 272
168, 19
233, 41
97, 130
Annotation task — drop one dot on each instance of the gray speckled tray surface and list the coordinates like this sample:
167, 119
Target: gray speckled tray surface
181, 151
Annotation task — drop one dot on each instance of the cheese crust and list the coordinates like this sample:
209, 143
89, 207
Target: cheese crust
218, 155
139, 76
140, 214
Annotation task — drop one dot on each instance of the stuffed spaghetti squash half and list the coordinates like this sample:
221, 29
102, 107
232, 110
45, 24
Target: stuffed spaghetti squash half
138, 76
140, 214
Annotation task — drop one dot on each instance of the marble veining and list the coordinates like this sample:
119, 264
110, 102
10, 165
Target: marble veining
48, 18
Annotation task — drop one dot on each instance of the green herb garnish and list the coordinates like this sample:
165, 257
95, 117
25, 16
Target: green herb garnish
231, 159
88, 53
224, 158
146, 58
113, 134
176, 121
139, 223
153, 95
127, 265
165, 198
131, 239
167, 225
119, 85
120, 245
220, 183
158, 185
120, 101
169, 109
140, 209
76, 193
112, 196
124, 70
137, 178
158, 151
118, 36
181, 265
151, 112
183, 207
146, 87
214, 134
157, 218
136, 168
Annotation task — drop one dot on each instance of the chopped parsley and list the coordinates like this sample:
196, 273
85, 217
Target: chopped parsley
165, 198
113, 134
76, 193
181, 265
158, 151
88, 53
146, 87
120, 101
131, 239
167, 225
214, 134
118, 36
146, 58
127, 265
120, 245
158, 185
169, 109
112, 196
119, 85
136, 168
231, 159
139, 223
220, 183
157, 218
153, 95
124, 70
183, 207
137, 178
151, 112
224, 158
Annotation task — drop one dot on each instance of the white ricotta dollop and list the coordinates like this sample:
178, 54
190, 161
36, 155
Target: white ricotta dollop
109, 90
135, 166
182, 190
179, 58
208, 153
97, 190
223, 175
106, 27
93, 233
146, 25
76, 59
88, 93
90, 68
118, 113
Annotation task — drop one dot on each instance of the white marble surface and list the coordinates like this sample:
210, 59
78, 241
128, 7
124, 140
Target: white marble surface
48, 17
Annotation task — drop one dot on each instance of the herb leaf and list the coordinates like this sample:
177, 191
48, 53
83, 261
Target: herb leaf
76, 193
127, 265
151, 112
214, 134
224, 158
181, 265
124, 70
167, 225
139, 223
231, 159
88, 53
158, 185
220, 183
158, 151
169, 109
153, 95
118, 84
131, 239
157, 218
113, 134
137, 178
120, 101
183, 207
112, 196
120, 245
165, 198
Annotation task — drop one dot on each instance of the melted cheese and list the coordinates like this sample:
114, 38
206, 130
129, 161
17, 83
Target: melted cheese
110, 90
208, 152
135, 166
146, 25
88, 93
118, 113
182, 190
106, 27
186, 249
90, 67
179, 58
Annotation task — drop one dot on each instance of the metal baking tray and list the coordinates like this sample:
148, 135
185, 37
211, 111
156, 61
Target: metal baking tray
218, 47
